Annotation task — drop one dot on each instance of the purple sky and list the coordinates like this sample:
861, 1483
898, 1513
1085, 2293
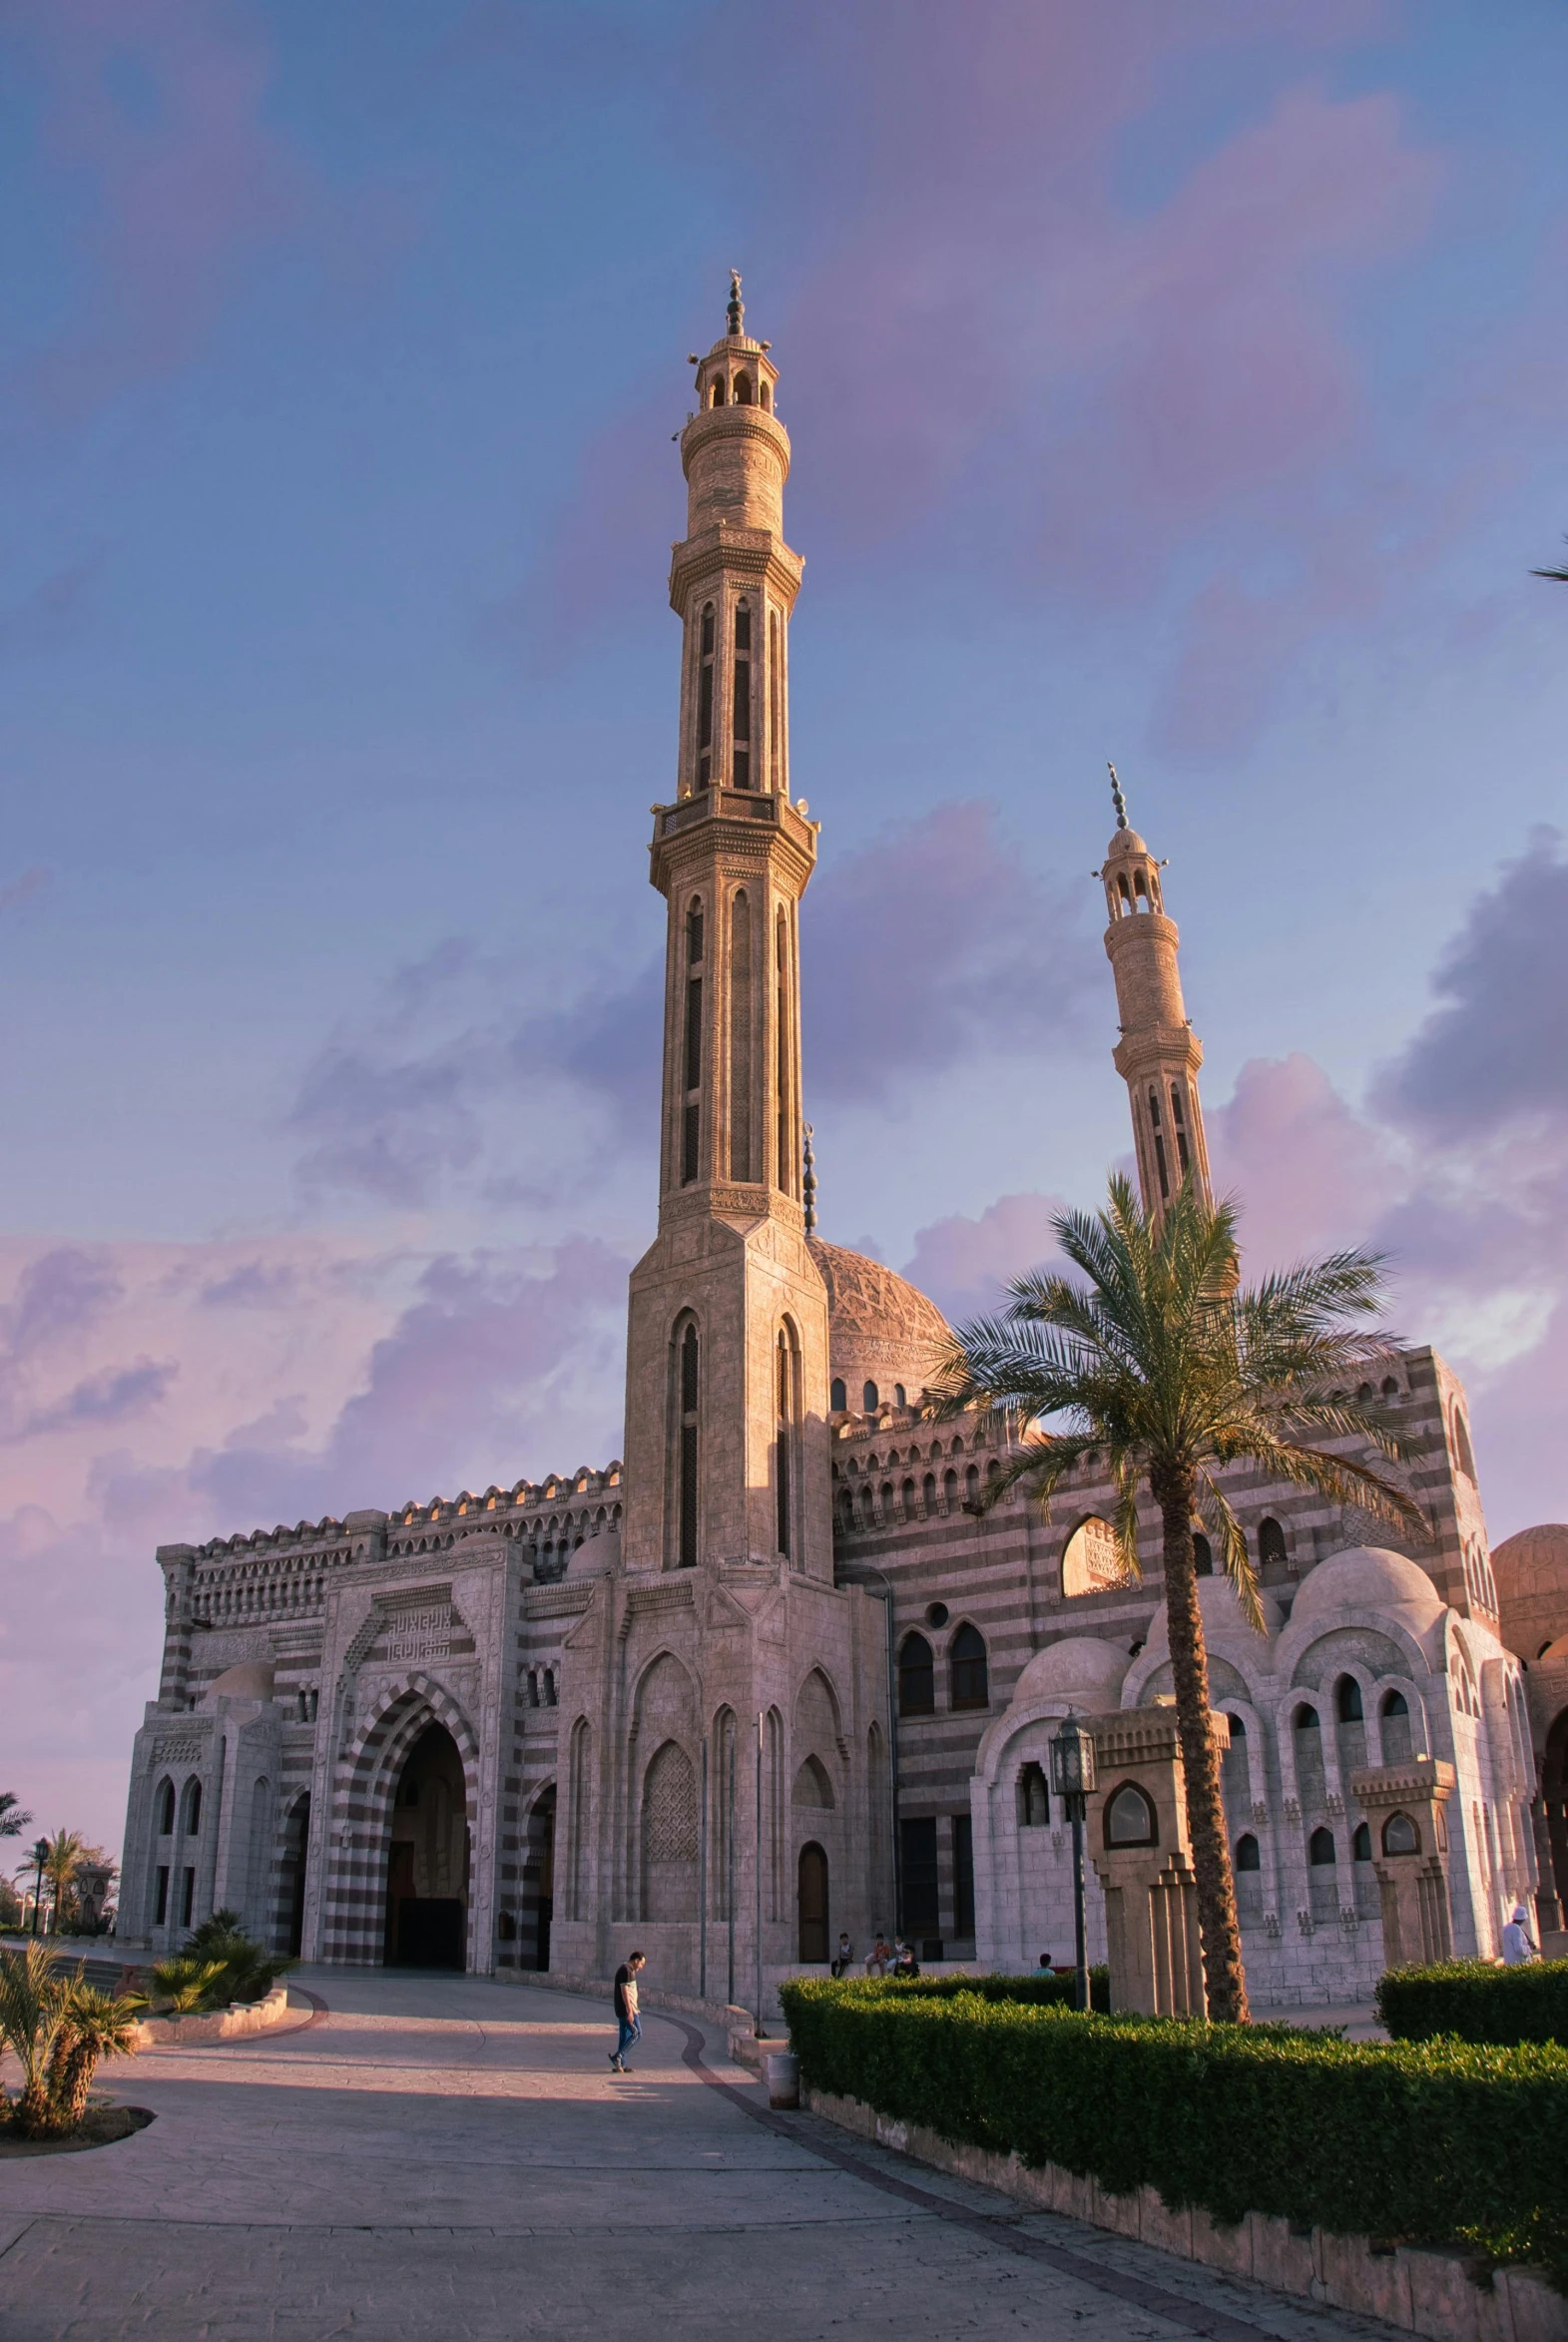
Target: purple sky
1179, 386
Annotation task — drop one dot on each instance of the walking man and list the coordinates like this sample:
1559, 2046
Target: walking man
626, 2010
1519, 1947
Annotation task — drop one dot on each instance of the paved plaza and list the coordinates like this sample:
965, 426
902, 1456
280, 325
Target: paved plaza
449, 2158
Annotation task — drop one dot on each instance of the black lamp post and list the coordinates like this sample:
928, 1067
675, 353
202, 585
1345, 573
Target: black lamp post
1072, 1777
40, 1857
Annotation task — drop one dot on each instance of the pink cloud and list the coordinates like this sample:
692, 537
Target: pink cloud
143, 1409
964, 1263
1310, 1173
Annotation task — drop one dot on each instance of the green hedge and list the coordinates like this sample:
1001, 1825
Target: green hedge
1476, 2002
1035, 1990
1426, 2144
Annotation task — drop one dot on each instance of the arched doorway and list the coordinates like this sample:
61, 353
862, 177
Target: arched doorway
811, 1878
297, 1847
427, 1858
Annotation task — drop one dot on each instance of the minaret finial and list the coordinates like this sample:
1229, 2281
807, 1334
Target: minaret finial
1117, 799
808, 1182
736, 309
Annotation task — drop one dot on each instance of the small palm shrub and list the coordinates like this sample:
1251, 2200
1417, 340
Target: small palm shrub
183, 1987
95, 2025
249, 1973
59, 2028
220, 1964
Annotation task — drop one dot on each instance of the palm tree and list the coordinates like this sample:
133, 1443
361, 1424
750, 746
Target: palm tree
1561, 575
65, 1849
33, 1996
13, 1821
94, 2026
1165, 1366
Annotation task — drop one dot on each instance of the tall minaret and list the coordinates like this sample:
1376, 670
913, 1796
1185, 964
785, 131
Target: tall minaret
1159, 1053
727, 1363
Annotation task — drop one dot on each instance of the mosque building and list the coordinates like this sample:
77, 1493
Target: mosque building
776, 1674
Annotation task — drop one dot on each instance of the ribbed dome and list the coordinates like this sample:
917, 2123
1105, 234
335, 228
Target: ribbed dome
1369, 1578
1531, 1570
880, 1328
1080, 1667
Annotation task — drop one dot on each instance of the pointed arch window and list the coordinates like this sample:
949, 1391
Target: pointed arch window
1179, 1122
691, 1050
1159, 1146
741, 1037
688, 1384
1272, 1552
788, 1380
917, 1677
705, 690
784, 1087
968, 1675
774, 702
741, 753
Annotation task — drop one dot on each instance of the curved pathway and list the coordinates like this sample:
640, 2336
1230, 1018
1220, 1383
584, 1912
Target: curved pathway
443, 2157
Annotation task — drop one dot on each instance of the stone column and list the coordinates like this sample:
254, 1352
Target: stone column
1142, 1853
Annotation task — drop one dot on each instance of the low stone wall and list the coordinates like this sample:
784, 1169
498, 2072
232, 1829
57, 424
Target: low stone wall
233, 2024
1431, 2293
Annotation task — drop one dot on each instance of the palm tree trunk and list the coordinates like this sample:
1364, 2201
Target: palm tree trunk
1223, 1978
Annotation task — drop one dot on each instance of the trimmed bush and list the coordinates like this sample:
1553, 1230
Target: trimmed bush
1474, 2001
1424, 2145
1036, 1989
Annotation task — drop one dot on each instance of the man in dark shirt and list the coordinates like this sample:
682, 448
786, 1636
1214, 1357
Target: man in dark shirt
626, 2010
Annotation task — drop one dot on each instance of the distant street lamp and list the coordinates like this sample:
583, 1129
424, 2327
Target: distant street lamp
1072, 1777
40, 1857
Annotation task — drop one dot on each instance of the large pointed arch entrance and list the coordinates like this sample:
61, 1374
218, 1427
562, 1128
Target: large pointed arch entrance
429, 1857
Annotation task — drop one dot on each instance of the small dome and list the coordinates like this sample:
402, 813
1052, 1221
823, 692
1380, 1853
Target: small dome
1081, 1668
880, 1328
1369, 1578
1219, 1608
251, 1679
1531, 1570
595, 1556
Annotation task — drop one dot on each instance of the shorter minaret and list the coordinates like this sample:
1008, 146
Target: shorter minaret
1159, 1053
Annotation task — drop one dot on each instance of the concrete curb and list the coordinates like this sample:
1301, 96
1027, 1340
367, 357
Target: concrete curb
236, 2022
1433, 2293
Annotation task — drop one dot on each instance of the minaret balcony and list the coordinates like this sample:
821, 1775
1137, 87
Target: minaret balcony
713, 820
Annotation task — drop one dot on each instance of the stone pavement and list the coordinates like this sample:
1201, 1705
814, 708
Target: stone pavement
443, 2157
